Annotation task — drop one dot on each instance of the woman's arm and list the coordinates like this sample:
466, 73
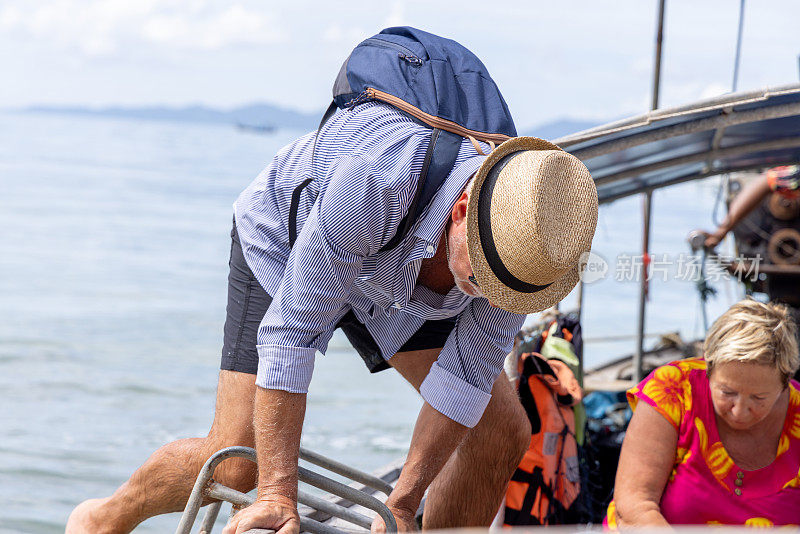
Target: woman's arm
645, 463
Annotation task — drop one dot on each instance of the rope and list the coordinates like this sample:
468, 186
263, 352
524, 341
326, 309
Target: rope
476, 145
704, 290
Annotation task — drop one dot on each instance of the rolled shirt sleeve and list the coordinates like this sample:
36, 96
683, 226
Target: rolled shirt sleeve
357, 212
460, 382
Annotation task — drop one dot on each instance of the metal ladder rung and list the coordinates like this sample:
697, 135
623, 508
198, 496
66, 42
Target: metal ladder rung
206, 487
346, 471
216, 490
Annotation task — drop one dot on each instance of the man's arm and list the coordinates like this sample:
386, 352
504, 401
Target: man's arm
361, 212
456, 391
278, 421
459, 383
435, 439
745, 202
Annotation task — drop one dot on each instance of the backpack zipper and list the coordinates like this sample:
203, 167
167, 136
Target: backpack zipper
414, 60
427, 118
404, 53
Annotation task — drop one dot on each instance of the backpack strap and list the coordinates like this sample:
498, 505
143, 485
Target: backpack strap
295, 204
440, 158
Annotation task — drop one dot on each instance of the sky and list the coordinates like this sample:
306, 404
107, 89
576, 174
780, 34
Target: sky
583, 59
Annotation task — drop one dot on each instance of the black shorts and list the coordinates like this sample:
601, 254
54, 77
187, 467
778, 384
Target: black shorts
248, 302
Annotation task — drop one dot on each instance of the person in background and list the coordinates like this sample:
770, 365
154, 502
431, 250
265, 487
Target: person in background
716, 440
784, 181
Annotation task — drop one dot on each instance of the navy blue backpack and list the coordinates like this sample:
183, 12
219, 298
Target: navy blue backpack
435, 81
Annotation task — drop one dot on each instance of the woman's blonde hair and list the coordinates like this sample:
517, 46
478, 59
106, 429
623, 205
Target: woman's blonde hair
751, 331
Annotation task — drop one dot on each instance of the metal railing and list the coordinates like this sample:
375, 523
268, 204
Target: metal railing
206, 487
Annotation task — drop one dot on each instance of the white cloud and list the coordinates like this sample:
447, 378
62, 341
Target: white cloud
714, 89
397, 16
234, 25
106, 27
10, 17
351, 35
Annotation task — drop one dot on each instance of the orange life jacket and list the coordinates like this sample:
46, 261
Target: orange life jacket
547, 481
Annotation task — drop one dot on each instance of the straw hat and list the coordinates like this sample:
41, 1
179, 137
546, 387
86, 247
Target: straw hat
531, 215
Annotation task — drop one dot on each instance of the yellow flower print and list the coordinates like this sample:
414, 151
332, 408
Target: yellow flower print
794, 397
793, 483
783, 445
716, 457
633, 400
671, 392
692, 363
794, 429
611, 515
758, 522
794, 405
682, 456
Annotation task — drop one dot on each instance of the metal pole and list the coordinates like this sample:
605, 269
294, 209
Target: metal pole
580, 315
721, 104
743, 149
659, 39
738, 47
637, 356
729, 119
647, 204
345, 470
351, 494
212, 511
205, 487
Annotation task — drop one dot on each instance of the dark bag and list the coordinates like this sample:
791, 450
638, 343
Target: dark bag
435, 81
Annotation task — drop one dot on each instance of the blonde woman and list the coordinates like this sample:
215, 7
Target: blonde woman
716, 440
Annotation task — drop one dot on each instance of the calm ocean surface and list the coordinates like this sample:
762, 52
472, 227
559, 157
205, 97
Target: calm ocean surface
114, 241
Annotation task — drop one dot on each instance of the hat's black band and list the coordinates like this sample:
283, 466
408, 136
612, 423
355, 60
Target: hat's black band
485, 231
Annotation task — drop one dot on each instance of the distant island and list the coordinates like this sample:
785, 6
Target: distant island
561, 127
266, 118
256, 117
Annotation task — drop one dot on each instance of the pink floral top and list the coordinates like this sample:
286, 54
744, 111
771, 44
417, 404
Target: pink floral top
706, 487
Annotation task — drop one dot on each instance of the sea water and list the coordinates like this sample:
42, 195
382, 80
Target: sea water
114, 243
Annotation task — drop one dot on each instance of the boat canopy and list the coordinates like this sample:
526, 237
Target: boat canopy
734, 132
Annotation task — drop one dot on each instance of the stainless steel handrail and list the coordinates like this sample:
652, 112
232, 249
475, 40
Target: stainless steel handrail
206, 487
345, 470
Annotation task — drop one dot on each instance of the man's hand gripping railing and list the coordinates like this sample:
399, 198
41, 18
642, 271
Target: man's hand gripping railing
206, 487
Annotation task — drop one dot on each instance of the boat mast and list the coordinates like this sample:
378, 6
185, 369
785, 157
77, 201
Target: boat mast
738, 47
657, 68
647, 202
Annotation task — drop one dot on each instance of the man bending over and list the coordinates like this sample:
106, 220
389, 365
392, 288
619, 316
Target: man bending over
501, 238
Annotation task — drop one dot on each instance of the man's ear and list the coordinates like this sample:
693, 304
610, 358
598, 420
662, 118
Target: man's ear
459, 213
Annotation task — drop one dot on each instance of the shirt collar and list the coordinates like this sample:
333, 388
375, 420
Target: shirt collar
433, 220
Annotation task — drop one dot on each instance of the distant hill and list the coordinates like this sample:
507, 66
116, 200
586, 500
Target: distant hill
267, 116
257, 115
562, 127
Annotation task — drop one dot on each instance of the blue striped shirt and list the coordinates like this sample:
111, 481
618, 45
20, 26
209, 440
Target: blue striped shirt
367, 164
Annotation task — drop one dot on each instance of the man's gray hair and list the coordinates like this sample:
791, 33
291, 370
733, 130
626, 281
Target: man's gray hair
470, 183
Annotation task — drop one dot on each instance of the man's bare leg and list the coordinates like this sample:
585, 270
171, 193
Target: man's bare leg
469, 489
163, 483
